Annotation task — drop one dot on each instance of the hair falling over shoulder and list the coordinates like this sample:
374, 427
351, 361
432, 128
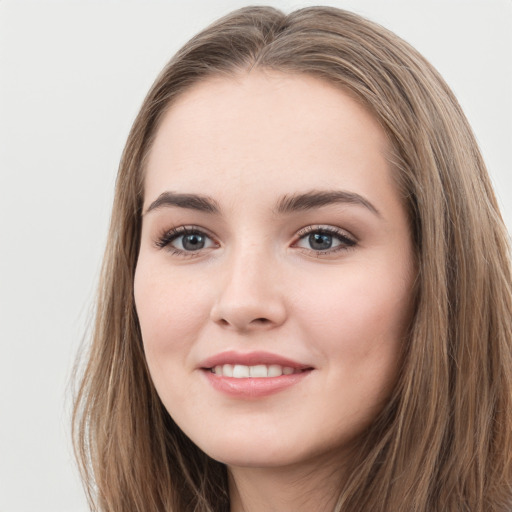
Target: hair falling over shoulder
444, 441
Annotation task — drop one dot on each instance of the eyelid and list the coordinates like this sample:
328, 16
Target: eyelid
348, 241
167, 236
325, 228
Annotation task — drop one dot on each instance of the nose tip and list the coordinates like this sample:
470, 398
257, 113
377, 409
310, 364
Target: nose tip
249, 299
241, 320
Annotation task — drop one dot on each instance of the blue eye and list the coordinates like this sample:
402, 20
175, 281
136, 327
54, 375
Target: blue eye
184, 240
324, 239
320, 241
191, 242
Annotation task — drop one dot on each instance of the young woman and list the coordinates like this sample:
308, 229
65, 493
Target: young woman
305, 302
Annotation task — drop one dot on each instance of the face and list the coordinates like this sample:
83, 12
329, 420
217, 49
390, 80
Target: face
273, 285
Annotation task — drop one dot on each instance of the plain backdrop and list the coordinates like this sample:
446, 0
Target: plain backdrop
72, 76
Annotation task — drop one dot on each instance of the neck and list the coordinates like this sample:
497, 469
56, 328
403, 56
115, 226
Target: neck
288, 489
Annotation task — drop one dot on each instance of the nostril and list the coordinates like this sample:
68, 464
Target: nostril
242, 325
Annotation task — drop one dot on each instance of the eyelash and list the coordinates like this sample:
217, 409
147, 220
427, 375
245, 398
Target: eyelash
346, 241
165, 240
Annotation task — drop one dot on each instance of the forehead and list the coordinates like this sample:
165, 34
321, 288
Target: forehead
268, 128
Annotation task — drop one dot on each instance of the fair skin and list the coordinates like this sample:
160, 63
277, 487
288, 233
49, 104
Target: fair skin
273, 239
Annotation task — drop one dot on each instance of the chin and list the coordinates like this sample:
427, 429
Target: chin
269, 450
252, 457
233, 448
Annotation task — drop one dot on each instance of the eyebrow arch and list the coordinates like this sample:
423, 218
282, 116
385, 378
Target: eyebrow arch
318, 198
189, 201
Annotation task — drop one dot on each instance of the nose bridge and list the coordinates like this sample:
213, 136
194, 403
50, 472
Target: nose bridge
249, 295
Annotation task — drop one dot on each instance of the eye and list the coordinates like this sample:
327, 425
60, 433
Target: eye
191, 242
324, 239
185, 240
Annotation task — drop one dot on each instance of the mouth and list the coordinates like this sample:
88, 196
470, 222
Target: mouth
252, 375
258, 371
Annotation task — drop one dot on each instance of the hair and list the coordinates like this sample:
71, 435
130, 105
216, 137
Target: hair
444, 440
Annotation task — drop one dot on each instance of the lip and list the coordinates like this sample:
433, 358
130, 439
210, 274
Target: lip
252, 387
250, 359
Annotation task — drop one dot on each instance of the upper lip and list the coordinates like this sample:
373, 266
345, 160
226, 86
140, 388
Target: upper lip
250, 359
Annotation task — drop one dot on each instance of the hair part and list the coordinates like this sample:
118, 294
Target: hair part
443, 442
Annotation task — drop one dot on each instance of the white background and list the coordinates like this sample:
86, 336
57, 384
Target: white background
72, 76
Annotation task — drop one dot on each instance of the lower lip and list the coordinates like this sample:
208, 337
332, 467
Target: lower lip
254, 387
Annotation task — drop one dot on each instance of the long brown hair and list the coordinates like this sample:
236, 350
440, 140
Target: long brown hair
444, 441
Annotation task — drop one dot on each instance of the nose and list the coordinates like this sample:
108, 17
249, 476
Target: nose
250, 295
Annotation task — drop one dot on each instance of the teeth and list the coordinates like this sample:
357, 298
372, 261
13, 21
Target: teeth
275, 370
258, 371
239, 371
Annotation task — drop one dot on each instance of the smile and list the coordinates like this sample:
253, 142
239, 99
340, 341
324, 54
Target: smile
252, 375
239, 371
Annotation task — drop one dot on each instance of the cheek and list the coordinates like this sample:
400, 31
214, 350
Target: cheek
170, 310
359, 320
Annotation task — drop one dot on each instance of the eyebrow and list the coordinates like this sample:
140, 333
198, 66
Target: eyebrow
287, 204
318, 198
189, 201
